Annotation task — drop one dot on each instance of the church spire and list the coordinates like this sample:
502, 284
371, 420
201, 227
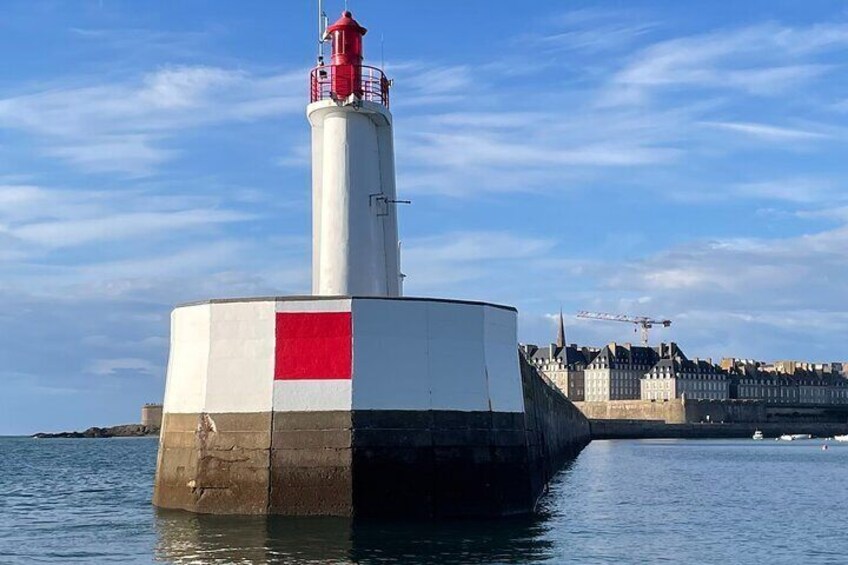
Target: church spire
561, 332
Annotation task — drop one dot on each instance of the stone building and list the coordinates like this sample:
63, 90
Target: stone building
616, 371
627, 372
679, 377
151, 415
802, 386
563, 365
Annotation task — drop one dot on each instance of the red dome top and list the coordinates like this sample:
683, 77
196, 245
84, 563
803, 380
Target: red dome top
346, 22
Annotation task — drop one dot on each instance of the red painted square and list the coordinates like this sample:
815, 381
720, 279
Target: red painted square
313, 345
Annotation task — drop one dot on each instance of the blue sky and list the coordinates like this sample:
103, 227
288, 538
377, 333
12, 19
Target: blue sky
678, 159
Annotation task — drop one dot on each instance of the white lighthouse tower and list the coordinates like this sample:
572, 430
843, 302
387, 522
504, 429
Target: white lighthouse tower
354, 220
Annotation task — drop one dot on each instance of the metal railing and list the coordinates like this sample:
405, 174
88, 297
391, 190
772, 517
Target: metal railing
327, 82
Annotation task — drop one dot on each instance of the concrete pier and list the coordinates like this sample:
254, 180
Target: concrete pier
410, 407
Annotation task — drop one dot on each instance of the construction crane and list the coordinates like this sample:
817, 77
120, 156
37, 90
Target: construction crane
643, 322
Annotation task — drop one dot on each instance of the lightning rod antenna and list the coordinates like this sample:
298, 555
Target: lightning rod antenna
322, 31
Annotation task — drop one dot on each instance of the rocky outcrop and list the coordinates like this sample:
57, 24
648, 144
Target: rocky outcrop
125, 430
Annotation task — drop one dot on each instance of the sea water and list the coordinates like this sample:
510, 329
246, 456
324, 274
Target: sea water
661, 501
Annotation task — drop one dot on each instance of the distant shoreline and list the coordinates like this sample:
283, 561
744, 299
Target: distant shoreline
648, 429
125, 430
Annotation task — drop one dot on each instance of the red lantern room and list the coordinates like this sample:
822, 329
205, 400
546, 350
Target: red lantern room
346, 37
346, 75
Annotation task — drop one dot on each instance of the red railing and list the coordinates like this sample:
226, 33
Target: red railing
331, 83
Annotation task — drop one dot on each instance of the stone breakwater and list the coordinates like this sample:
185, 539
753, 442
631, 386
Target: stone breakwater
126, 430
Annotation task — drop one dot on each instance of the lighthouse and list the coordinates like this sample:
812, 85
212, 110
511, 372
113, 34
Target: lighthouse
354, 219
355, 401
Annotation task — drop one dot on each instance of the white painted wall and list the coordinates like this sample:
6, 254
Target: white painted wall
308, 396
390, 355
314, 305
354, 234
389, 223
457, 360
241, 357
188, 360
407, 355
504, 374
420, 355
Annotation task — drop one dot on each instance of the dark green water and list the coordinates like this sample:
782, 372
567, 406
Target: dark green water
88, 501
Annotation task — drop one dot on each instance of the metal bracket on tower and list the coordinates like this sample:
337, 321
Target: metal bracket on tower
381, 201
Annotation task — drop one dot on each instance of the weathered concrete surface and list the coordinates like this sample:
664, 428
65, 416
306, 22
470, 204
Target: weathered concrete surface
214, 463
311, 464
642, 429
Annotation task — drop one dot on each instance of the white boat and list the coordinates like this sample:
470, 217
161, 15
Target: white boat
841, 438
793, 437
758, 435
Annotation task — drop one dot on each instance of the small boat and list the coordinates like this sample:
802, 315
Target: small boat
758, 435
841, 438
793, 437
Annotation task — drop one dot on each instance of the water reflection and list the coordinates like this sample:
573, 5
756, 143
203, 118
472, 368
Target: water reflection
189, 538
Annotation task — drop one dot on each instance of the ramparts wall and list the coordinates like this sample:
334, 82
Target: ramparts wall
691, 411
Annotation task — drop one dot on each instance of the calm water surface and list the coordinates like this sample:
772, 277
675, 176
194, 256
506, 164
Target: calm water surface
88, 501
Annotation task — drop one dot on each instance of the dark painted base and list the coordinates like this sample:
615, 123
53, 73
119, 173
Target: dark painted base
440, 464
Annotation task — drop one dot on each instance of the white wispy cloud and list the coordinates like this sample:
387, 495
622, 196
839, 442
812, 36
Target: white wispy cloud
449, 261
473, 153
801, 190
120, 126
765, 59
590, 30
58, 234
768, 132
45, 219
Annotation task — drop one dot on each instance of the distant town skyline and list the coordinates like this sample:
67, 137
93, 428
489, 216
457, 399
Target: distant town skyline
678, 160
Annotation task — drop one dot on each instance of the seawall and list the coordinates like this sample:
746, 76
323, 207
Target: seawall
556, 430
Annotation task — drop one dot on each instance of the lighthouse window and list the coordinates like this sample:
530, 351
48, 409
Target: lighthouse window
338, 42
